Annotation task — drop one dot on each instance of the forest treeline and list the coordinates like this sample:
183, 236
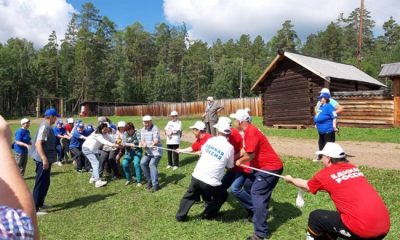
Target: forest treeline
93, 60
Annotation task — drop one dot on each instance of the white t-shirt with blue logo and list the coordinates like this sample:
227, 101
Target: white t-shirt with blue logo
216, 155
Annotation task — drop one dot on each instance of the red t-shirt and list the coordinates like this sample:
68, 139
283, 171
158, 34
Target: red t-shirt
360, 207
236, 140
196, 146
68, 128
265, 158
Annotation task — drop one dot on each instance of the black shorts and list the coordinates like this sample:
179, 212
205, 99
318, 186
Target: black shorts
324, 224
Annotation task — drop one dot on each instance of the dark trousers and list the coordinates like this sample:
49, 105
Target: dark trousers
210, 128
173, 157
260, 186
323, 139
60, 152
213, 197
81, 161
108, 162
324, 224
42, 184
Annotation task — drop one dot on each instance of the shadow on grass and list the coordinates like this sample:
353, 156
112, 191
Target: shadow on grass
279, 213
52, 174
80, 202
173, 178
187, 159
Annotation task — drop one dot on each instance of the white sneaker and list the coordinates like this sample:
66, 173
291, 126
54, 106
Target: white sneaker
41, 213
58, 163
300, 198
100, 183
138, 185
169, 166
92, 180
174, 168
127, 183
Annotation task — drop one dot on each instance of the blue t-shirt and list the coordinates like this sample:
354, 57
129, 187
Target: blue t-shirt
88, 131
76, 141
324, 118
22, 135
59, 131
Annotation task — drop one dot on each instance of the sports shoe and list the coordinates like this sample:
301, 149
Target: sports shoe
255, 237
41, 213
92, 180
174, 168
138, 185
58, 163
155, 188
127, 183
168, 166
100, 183
148, 186
316, 160
44, 207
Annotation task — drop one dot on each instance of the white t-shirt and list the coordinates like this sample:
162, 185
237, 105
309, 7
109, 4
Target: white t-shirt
216, 155
94, 141
173, 128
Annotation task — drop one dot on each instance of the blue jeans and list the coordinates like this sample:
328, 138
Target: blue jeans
60, 152
126, 164
42, 184
149, 165
235, 181
94, 161
257, 192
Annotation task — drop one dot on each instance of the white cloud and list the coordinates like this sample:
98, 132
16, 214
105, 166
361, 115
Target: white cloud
208, 20
34, 19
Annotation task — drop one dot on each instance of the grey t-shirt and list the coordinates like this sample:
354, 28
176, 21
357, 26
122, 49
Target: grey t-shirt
46, 135
211, 112
148, 136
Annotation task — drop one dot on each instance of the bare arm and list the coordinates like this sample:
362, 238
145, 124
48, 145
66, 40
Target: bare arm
40, 151
13, 190
339, 108
298, 182
244, 157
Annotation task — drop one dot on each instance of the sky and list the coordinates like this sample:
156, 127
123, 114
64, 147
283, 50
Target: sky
206, 20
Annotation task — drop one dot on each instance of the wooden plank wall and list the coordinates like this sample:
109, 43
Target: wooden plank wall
190, 108
396, 111
286, 96
366, 111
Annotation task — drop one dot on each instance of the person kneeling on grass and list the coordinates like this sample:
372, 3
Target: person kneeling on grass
91, 149
133, 151
361, 213
216, 155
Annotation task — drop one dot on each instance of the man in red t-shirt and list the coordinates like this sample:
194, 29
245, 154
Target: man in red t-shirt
361, 213
258, 186
199, 131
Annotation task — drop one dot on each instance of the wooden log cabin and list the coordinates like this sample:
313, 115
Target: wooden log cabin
290, 86
392, 71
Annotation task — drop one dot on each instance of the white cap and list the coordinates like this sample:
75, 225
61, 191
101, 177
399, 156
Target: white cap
174, 113
199, 125
224, 120
121, 124
247, 110
223, 127
24, 120
70, 120
332, 150
147, 118
102, 119
210, 98
240, 115
325, 90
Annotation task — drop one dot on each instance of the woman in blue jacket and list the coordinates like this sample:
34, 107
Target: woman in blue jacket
324, 121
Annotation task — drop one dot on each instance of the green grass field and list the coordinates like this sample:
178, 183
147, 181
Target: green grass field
80, 211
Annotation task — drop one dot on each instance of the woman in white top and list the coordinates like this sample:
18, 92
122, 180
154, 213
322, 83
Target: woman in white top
173, 131
91, 149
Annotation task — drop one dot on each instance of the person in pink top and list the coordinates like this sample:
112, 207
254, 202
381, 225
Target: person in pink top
360, 212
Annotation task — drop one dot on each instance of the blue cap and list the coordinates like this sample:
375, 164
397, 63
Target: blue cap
81, 125
60, 122
324, 95
51, 112
89, 126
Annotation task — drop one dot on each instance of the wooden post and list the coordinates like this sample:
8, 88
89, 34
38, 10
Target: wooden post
61, 107
396, 86
37, 107
396, 99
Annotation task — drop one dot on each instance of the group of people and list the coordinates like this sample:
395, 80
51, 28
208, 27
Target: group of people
233, 154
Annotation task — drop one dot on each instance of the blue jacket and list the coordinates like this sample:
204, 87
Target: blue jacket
324, 118
22, 135
76, 141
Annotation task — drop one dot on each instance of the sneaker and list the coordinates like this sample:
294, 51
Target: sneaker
114, 178
148, 186
92, 180
100, 183
138, 185
59, 164
44, 207
127, 183
316, 160
41, 213
90, 170
79, 170
255, 237
155, 188
169, 166
174, 168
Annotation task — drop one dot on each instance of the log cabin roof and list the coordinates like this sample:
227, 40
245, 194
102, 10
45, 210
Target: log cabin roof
322, 68
390, 70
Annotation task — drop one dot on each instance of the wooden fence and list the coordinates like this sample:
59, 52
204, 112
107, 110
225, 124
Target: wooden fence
190, 108
367, 111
